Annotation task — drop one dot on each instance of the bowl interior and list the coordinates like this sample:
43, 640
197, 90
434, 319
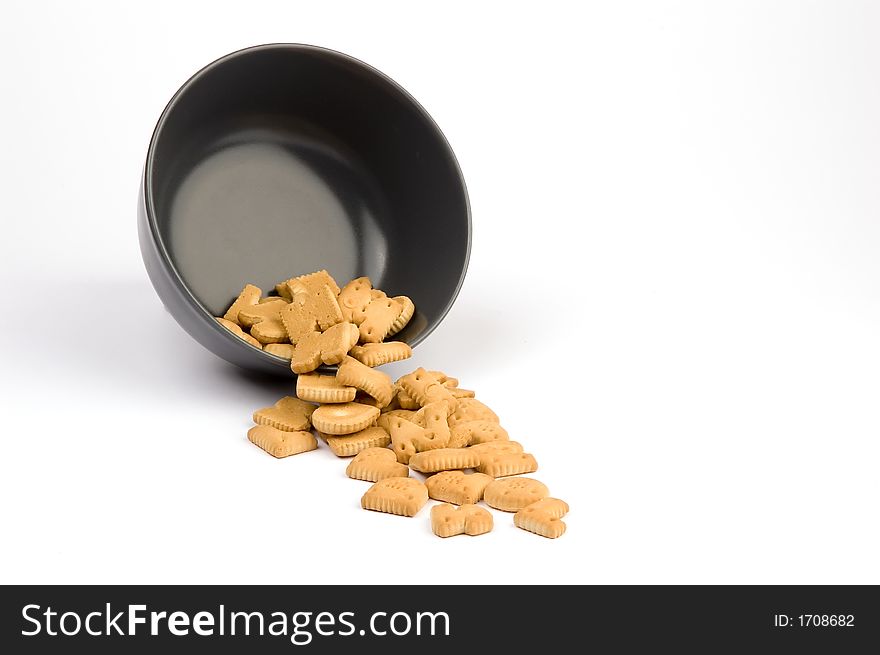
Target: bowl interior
281, 160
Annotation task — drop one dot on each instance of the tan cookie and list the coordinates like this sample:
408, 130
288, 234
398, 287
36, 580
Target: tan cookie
500, 465
433, 417
374, 464
272, 299
497, 448
360, 376
317, 388
377, 354
352, 444
408, 438
477, 432
264, 320
297, 320
343, 418
354, 298
444, 459
385, 417
405, 400
289, 414
424, 387
457, 487
330, 347
379, 316
248, 297
513, 494
237, 331
320, 303
283, 350
279, 443
448, 521
542, 517
461, 393
471, 409
312, 281
407, 309
401, 496
445, 380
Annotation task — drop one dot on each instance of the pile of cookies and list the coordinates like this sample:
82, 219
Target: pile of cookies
422, 424
312, 321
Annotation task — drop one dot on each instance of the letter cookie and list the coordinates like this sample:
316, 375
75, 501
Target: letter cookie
448, 521
374, 464
401, 496
542, 517
279, 443
288, 414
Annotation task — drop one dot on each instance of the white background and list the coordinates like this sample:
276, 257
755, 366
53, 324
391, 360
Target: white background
673, 297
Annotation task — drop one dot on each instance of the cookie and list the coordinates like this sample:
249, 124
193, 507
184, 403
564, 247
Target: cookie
379, 316
425, 388
248, 297
542, 517
353, 373
407, 309
477, 432
408, 438
500, 465
354, 298
317, 388
405, 400
457, 487
385, 417
433, 417
448, 521
377, 354
352, 444
237, 331
459, 393
264, 321
374, 464
401, 496
444, 459
319, 302
284, 350
297, 320
288, 414
343, 418
280, 443
330, 347
471, 409
311, 281
513, 494
496, 448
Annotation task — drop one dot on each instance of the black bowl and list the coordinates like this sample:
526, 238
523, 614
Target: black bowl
283, 159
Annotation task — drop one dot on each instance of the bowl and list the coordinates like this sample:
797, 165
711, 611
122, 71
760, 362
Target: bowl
282, 159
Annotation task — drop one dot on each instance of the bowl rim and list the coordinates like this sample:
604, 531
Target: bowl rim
149, 206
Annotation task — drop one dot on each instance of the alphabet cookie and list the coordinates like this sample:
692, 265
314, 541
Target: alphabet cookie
352, 444
407, 309
330, 347
237, 331
353, 373
377, 354
374, 464
401, 496
264, 320
513, 494
379, 317
543, 517
317, 388
279, 443
248, 297
457, 487
500, 465
354, 298
444, 459
448, 521
288, 414
344, 418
